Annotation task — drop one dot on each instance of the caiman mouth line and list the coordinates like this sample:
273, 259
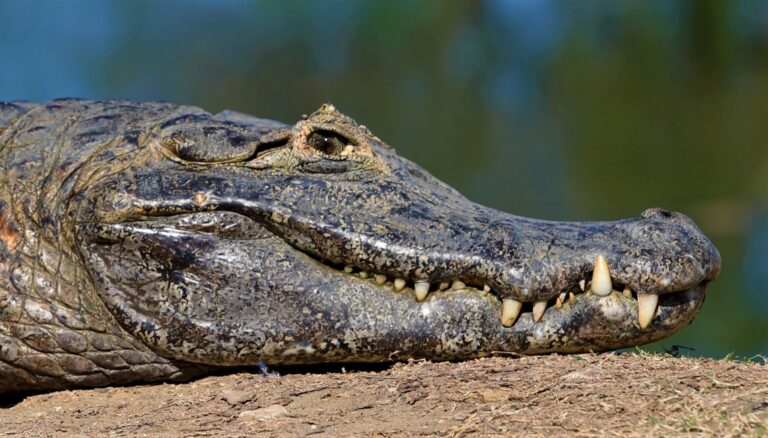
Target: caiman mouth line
596, 283
599, 285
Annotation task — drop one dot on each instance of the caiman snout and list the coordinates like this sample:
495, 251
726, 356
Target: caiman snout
434, 243
557, 286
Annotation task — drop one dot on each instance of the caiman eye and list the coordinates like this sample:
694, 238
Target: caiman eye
328, 142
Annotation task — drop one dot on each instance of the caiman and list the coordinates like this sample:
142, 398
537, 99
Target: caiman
145, 242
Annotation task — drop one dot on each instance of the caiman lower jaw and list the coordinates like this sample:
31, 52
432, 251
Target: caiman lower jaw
596, 323
595, 315
644, 306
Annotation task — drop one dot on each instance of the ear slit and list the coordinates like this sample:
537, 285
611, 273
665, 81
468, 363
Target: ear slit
266, 147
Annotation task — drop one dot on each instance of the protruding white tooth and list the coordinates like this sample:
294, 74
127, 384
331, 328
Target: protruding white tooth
560, 300
443, 285
538, 310
399, 284
380, 278
458, 285
422, 289
646, 308
348, 269
510, 310
571, 296
582, 284
627, 292
363, 274
601, 278
486, 288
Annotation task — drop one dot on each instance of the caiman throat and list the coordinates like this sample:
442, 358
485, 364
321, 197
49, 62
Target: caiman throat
147, 242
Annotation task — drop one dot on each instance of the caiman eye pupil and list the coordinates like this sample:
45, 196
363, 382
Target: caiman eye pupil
327, 142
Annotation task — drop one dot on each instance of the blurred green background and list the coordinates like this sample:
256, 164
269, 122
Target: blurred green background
559, 110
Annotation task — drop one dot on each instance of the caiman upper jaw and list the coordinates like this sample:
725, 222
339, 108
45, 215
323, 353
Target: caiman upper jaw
660, 252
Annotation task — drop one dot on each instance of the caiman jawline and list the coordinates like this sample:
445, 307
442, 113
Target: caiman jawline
599, 285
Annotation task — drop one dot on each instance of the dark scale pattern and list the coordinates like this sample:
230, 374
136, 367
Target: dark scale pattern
149, 241
54, 329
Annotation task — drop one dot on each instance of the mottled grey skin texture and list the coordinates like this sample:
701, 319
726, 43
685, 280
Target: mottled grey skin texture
147, 241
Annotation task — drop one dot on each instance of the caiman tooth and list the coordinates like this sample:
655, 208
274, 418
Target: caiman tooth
422, 289
399, 284
646, 308
571, 296
510, 310
627, 292
458, 285
443, 285
601, 278
348, 269
582, 284
380, 278
560, 300
538, 310
486, 288
363, 274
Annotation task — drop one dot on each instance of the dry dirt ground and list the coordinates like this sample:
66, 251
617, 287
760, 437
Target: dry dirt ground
581, 395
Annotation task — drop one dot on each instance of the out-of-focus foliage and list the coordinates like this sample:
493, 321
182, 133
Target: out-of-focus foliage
562, 110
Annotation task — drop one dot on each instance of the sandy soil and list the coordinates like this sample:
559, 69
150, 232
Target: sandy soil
582, 395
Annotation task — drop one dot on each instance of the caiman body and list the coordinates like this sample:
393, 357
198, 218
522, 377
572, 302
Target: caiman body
147, 241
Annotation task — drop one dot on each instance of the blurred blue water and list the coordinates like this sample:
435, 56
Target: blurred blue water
48, 49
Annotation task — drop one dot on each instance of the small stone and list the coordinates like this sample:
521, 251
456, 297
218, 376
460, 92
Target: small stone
235, 397
586, 374
494, 396
263, 414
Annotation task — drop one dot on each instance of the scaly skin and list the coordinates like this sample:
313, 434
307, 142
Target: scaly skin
144, 242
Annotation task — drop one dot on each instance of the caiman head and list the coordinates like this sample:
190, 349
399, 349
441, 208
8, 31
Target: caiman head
229, 240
